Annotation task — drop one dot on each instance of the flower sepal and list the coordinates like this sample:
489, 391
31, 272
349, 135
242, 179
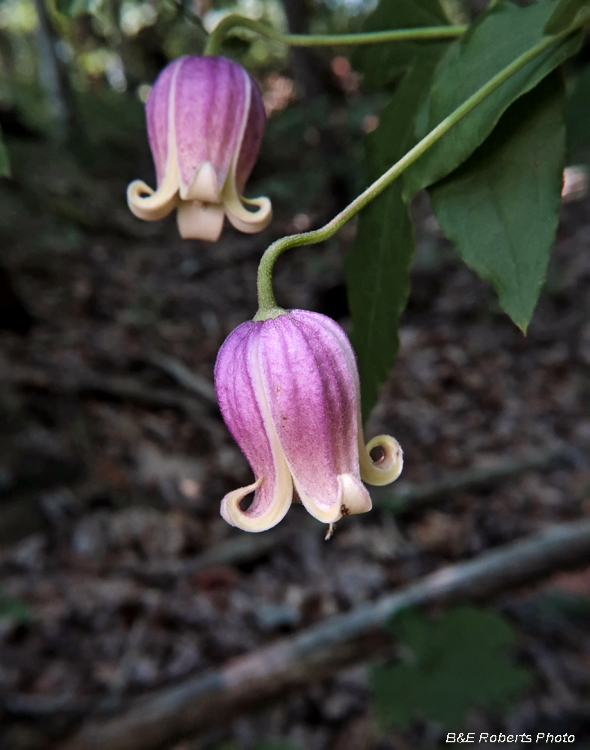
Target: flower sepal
289, 393
205, 120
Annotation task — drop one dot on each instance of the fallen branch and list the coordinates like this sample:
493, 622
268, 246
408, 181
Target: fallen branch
185, 377
46, 707
233, 551
408, 497
218, 694
120, 387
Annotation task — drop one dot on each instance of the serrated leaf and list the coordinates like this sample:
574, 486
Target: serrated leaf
493, 42
379, 63
73, 8
501, 207
453, 663
377, 268
565, 15
4, 161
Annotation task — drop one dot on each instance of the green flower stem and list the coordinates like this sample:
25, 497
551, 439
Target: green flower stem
219, 33
266, 300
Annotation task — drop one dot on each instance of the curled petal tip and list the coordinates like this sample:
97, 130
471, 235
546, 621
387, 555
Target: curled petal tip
201, 221
246, 221
149, 205
381, 461
230, 505
254, 521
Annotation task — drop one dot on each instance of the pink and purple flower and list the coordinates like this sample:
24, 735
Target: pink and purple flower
289, 392
205, 120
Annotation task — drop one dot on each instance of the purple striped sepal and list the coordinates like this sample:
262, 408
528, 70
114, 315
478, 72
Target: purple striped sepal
205, 121
289, 392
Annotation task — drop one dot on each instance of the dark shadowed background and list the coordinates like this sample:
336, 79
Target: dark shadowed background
117, 575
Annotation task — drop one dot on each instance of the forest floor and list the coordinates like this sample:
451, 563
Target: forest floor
113, 464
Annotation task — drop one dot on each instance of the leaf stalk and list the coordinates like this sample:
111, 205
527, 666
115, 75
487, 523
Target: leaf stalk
266, 300
234, 21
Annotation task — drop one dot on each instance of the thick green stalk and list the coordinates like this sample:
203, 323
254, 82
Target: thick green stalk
220, 32
267, 304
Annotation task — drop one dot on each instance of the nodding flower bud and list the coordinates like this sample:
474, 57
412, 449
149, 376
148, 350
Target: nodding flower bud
205, 121
288, 388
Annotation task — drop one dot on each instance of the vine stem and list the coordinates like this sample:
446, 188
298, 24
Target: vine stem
268, 307
219, 33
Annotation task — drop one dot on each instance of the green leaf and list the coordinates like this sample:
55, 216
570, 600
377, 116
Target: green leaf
453, 663
379, 63
4, 162
494, 41
14, 610
565, 15
456, 11
276, 744
73, 8
377, 268
554, 606
378, 283
578, 117
501, 207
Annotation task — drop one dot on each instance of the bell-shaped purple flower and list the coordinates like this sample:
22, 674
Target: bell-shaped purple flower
288, 388
205, 121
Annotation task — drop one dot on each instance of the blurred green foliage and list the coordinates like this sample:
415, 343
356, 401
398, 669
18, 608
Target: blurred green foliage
4, 162
14, 610
73, 8
578, 117
277, 744
382, 63
272, 744
112, 51
565, 15
451, 663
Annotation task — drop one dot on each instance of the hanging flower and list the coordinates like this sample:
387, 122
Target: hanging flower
288, 388
205, 121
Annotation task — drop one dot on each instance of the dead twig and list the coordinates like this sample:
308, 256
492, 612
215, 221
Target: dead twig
185, 377
120, 387
232, 551
122, 675
45, 706
408, 497
212, 697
